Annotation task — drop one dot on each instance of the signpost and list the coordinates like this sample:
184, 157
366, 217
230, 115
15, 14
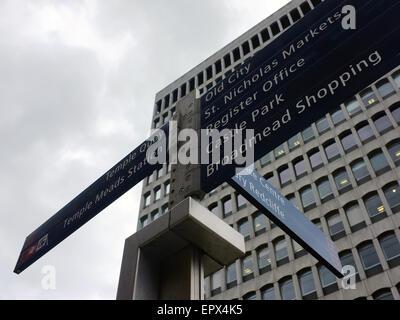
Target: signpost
119, 179
309, 70
283, 213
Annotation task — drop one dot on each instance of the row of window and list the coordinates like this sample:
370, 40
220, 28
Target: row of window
366, 253
246, 48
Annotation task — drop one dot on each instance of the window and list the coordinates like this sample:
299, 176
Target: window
243, 228
268, 293
322, 125
307, 285
374, 206
385, 88
158, 106
259, 222
247, 268
342, 181
324, 190
216, 283
164, 209
200, 78
266, 159
382, 123
347, 259
227, 205
338, 116
378, 162
292, 199
353, 107
231, 279
328, 280
392, 195
331, 150
383, 294
255, 41
307, 134
146, 200
284, 176
335, 225
315, 2
317, 223
305, 7
275, 28
160, 172
360, 171
241, 201
265, 35
246, 48
191, 84
307, 198
285, 22
369, 259
218, 66
295, 15
214, 208
300, 167
236, 54
144, 221
391, 249
355, 217
250, 296
315, 159
298, 250
369, 98
348, 141
394, 151
157, 194
154, 215
395, 110
279, 151
167, 187
396, 78
294, 142
365, 132
150, 179
270, 178
166, 101
264, 260
287, 289
281, 253
174, 95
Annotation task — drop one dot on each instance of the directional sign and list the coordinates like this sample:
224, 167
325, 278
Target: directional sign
303, 74
282, 212
113, 184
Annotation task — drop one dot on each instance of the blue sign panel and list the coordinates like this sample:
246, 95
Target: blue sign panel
302, 75
119, 179
282, 212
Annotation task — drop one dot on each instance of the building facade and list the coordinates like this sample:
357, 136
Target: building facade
342, 172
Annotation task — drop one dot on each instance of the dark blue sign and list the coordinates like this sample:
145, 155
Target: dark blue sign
297, 79
282, 212
119, 179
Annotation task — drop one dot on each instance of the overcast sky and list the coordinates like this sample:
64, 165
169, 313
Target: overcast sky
77, 86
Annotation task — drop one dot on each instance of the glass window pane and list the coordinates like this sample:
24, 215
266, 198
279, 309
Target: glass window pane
287, 290
284, 176
347, 259
360, 170
247, 266
281, 250
394, 151
341, 179
392, 194
259, 222
268, 293
396, 114
300, 167
316, 159
241, 201
378, 161
307, 197
374, 205
384, 295
368, 256
383, 124
326, 276
227, 207
331, 151
250, 296
243, 228
147, 200
354, 215
385, 89
335, 224
264, 259
353, 107
294, 142
307, 134
279, 151
307, 283
365, 133
231, 273
338, 116
216, 280
368, 97
390, 246
348, 142
144, 221
322, 125
266, 159
324, 189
